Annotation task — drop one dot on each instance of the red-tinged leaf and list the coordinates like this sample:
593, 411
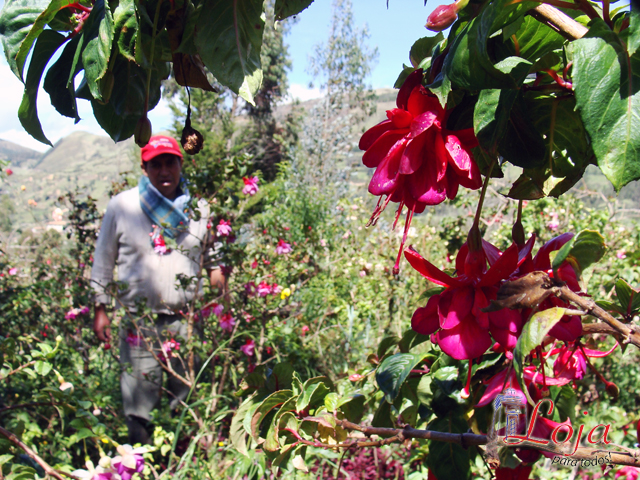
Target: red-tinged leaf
428, 270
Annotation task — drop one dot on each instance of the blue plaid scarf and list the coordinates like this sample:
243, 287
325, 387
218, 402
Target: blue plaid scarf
171, 216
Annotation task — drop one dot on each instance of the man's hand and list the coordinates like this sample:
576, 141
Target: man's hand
101, 324
218, 280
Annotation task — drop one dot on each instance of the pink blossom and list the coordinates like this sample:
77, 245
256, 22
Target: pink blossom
84, 311
224, 228
362, 273
71, 314
248, 317
264, 289
167, 347
217, 309
250, 186
355, 377
572, 363
227, 322
254, 264
621, 254
13, 271
133, 340
323, 242
553, 224
159, 246
9, 171
628, 473
129, 462
283, 247
275, 289
304, 330
248, 347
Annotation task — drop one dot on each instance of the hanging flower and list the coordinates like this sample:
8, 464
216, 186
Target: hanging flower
572, 362
13, 271
250, 186
248, 347
628, 473
553, 223
621, 254
157, 241
418, 161
129, 462
224, 228
167, 347
227, 322
133, 339
263, 289
283, 247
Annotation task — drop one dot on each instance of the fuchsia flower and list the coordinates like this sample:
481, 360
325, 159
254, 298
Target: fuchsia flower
553, 223
227, 322
463, 330
250, 289
283, 247
167, 347
628, 473
129, 462
248, 347
250, 186
572, 363
254, 264
133, 339
418, 161
13, 271
224, 228
263, 289
159, 245
621, 254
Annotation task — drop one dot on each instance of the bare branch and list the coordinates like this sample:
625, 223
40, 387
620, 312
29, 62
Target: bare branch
559, 21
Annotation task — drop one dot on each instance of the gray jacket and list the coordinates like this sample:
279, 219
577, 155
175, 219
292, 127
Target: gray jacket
124, 241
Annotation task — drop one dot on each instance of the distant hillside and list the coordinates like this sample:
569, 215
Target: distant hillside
17, 155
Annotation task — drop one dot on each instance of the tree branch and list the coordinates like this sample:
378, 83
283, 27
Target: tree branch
559, 21
48, 469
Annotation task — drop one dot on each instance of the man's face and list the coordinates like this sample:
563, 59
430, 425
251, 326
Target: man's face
164, 173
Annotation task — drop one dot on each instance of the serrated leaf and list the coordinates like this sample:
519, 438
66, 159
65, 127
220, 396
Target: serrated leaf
98, 40
532, 335
606, 79
394, 370
16, 21
287, 8
581, 251
46, 45
228, 37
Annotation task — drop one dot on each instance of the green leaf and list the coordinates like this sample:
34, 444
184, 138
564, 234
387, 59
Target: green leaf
386, 344
423, 48
267, 405
611, 307
532, 335
125, 26
581, 251
352, 407
42, 368
491, 116
449, 460
536, 39
314, 391
564, 400
98, 40
16, 21
331, 402
411, 339
237, 432
46, 45
521, 143
286, 8
394, 370
382, 417
606, 79
119, 117
280, 377
625, 295
229, 38
57, 84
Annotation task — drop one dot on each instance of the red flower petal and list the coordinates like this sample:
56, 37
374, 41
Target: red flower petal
413, 156
382, 147
386, 175
423, 122
424, 187
464, 341
492, 252
541, 260
414, 79
425, 319
399, 117
421, 100
460, 158
457, 303
370, 136
467, 137
500, 270
428, 270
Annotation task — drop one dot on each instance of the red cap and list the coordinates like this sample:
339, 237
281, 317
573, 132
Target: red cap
158, 145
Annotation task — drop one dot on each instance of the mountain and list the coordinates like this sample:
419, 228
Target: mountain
18, 155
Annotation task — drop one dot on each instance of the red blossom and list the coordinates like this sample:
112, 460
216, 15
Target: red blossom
418, 161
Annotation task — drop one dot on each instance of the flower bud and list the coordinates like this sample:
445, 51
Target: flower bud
444, 16
191, 140
142, 132
612, 390
517, 234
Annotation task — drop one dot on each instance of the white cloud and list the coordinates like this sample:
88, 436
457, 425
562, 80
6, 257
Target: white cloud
302, 93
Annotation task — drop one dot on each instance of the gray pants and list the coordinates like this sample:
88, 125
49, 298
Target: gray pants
141, 389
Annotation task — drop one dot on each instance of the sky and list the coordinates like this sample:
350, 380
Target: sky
392, 31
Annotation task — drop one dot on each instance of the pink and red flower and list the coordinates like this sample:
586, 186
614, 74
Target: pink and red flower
248, 347
250, 186
283, 247
224, 228
418, 161
227, 322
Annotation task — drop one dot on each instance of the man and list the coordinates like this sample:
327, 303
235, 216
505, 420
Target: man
132, 237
